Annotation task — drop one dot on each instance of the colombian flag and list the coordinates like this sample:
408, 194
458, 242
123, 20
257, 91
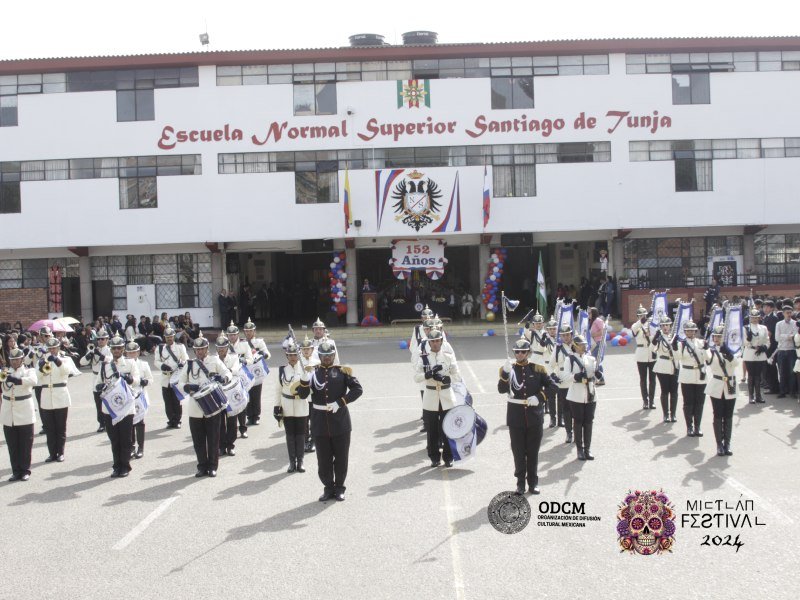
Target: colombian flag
487, 197
347, 220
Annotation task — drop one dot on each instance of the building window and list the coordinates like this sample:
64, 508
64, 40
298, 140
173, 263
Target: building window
777, 258
317, 182
10, 198
182, 280
512, 92
693, 175
8, 111
138, 192
315, 99
690, 88
135, 105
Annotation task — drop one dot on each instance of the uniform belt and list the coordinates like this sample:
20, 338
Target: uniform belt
433, 387
641, 345
664, 357
17, 398
539, 353
287, 396
532, 401
722, 378
52, 385
322, 407
688, 367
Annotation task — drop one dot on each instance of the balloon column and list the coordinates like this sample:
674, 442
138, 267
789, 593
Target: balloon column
338, 279
494, 277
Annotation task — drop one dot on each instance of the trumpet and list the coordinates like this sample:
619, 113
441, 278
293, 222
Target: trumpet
3, 375
90, 348
44, 367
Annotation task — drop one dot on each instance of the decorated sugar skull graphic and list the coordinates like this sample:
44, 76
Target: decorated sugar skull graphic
646, 523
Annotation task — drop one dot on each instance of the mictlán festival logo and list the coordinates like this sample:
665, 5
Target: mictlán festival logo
646, 523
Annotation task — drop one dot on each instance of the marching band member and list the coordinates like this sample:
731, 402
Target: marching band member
421, 348
666, 369
18, 414
644, 358
170, 358
54, 371
94, 357
692, 377
526, 384
331, 388
38, 352
145, 379
437, 369
785, 356
258, 349
291, 408
419, 331
755, 355
321, 335
121, 434
227, 423
242, 350
307, 359
559, 366
721, 387
205, 430
536, 335
581, 396
551, 391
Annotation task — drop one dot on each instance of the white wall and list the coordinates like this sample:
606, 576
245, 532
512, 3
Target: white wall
257, 207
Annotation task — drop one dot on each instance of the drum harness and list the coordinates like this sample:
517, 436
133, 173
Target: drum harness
576, 360
171, 353
691, 349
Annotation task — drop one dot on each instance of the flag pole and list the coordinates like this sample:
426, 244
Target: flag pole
505, 321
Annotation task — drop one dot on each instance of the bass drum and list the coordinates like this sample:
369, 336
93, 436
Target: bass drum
460, 421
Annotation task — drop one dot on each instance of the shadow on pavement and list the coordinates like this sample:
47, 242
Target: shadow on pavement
702, 473
253, 487
158, 492
415, 479
62, 494
399, 428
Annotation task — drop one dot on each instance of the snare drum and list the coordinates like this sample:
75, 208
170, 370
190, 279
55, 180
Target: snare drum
210, 398
464, 428
236, 397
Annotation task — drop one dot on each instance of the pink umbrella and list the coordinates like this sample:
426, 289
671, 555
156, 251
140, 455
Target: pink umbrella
54, 325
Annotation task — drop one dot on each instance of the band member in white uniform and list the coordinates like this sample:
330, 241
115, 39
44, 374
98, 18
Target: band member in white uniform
321, 335
756, 343
204, 429
666, 369
644, 358
422, 347
18, 414
170, 358
581, 396
227, 423
258, 349
692, 377
419, 331
54, 371
132, 352
308, 359
721, 386
291, 409
242, 350
94, 358
559, 367
437, 369
38, 352
121, 434
550, 391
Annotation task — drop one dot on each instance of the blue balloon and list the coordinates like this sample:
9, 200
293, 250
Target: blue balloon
403, 345
608, 336
521, 330
490, 332
615, 341
500, 265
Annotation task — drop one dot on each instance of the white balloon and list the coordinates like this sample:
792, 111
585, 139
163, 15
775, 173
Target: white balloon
336, 300
490, 306
333, 265
336, 259
493, 256
496, 269
493, 277
340, 294
343, 276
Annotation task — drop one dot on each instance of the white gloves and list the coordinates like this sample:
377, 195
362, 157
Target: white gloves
507, 366
333, 407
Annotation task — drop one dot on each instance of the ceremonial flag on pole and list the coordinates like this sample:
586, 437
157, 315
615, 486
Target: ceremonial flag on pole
511, 304
541, 290
487, 197
347, 220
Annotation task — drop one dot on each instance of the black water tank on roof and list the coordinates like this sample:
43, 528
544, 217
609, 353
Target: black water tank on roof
366, 39
420, 37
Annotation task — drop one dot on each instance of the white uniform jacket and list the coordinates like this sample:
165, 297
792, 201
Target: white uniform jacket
759, 337
581, 392
242, 350
111, 369
797, 351
55, 393
666, 358
641, 333
257, 346
435, 392
95, 358
145, 376
717, 387
539, 341
192, 373
18, 405
164, 356
692, 370
559, 364
286, 391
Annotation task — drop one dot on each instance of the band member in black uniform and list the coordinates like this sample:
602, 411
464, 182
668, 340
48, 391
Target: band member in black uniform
332, 388
526, 385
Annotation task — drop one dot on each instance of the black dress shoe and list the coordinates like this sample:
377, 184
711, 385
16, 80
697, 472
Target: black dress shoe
652, 404
448, 463
570, 438
231, 452
690, 431
666, 418
423, 430
256, 421
326, 495
200, 473
752, 400
25, 476
644, 405
101, 429
581, 455
673, 419
50, 459
761, 401
243, 434
520, 490
212, 473
300, 468
59, 458
720, 450
435, 463
139, 453
698, 433
339, 497
14, 478
552, 422
44, 431
535, 490
292, 467
124, 473
587, 454
114, 473
178, 425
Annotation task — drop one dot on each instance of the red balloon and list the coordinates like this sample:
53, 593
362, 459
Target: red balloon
341, 309
613, 334
623, 341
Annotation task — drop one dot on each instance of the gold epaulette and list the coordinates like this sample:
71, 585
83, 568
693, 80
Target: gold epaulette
540, 369
347, 371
